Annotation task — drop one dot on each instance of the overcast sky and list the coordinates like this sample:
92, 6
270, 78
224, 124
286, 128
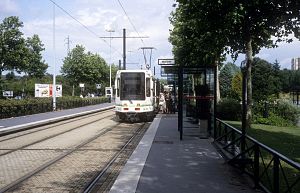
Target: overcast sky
147, 17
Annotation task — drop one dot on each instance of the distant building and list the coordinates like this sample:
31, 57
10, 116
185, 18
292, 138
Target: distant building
296, 64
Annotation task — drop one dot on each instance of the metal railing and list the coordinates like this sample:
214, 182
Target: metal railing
34, 108
270, 170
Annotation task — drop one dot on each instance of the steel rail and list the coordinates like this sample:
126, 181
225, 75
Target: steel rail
90, 187
52, 136
12, 185
66, 121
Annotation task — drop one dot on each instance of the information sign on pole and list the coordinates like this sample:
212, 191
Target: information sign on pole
166, 62
8, 93
98, 86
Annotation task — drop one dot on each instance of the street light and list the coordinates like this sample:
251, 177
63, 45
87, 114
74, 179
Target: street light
54, 63
244, 104
110, 31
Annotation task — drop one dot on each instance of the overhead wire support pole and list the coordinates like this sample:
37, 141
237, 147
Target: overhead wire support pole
54, 63
68, 44
124, 49
110, 31
124, 44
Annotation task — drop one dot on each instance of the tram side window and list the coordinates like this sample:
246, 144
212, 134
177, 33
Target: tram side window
148, 90
118, 87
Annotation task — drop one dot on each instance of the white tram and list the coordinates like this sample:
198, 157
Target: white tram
135, 95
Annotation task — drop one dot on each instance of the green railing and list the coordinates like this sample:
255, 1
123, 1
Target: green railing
270, 170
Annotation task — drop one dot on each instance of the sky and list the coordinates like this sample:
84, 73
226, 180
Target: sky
143, 18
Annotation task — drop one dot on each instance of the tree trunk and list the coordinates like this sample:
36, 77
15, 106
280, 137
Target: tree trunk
73, 90
1, 85
249, 58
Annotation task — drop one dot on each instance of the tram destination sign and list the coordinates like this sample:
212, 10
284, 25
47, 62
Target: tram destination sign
169, 62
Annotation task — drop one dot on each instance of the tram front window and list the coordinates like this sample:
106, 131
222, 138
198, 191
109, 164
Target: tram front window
132, 86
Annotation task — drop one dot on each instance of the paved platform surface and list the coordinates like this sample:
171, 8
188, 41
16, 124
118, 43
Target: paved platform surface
163, 163
15, 123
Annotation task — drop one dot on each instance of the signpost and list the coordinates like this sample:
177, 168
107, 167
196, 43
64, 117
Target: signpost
108, 93
167, 67
46, 90
81, 85
8, 93
98, 87
166, 62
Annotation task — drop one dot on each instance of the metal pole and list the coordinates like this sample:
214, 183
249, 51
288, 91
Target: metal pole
110, 59
54, 63
120, 67
244, 109
110, 31
215, 101
180, 101
124, 49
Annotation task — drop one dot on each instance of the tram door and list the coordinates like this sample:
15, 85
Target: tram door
198, 95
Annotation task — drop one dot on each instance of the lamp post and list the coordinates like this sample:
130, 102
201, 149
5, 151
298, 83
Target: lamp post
244, 104
54, 63
110, 31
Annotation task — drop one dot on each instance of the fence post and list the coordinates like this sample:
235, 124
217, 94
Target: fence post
225, 132
233, 144
276, 174
219, 128
256, 166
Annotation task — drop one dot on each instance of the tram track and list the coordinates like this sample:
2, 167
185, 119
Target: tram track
47, 138
98, 152
31, 130
44, 166
10, 150
98, 182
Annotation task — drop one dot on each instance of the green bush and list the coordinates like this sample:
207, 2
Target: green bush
272, 119
229, 109
14, 108
279, 113
287, 111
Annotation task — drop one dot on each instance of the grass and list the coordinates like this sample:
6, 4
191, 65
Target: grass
285, 140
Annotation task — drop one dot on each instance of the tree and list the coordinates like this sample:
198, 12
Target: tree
226, 75
252, 24
81, 67
236, 86
285, 76
265, 79
35, 65
239, 26
12, 46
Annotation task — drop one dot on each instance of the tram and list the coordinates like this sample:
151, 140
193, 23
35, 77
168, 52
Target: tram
135, 95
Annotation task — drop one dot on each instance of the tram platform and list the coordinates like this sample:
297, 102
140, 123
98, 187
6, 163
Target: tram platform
163, 163
16, 123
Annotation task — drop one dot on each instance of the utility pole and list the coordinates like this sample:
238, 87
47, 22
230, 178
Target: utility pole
54, 63
124, 49
68, 44
110, 31
124, 45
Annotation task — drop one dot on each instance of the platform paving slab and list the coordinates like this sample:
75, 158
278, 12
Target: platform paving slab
190, 165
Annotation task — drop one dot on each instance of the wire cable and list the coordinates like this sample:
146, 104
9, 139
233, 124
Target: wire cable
131, 22
88, 29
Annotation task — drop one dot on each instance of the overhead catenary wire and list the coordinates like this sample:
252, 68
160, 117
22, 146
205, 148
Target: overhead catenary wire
131, 22
88, 29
